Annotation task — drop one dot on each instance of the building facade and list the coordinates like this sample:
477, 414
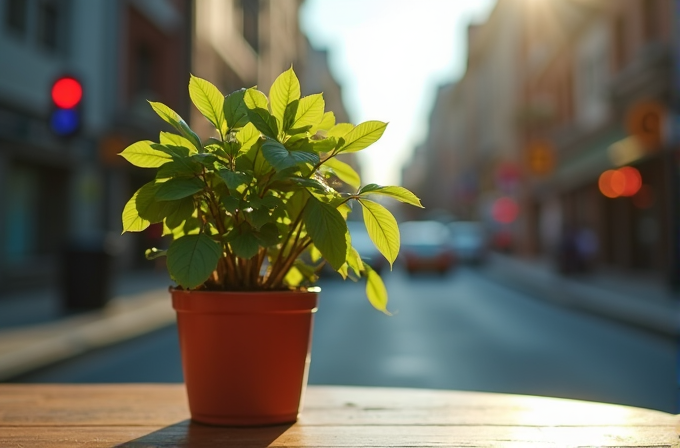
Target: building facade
557, 94
52, 190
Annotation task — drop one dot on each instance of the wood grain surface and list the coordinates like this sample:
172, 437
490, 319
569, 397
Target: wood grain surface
154, 415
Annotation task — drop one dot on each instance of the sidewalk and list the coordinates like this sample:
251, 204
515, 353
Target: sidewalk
34, 333
638, 301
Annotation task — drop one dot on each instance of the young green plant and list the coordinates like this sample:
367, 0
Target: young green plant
253, 208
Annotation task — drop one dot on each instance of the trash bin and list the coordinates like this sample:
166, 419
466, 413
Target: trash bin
86, 275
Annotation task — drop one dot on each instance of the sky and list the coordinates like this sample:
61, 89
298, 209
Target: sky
389, 57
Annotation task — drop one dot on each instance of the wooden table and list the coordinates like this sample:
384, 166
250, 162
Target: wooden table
146, 415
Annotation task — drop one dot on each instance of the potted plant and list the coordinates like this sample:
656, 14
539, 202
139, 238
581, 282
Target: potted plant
253, 214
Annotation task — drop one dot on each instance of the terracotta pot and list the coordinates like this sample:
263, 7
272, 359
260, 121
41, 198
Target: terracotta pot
245, 355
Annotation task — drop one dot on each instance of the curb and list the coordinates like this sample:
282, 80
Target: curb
28, 348
551, 287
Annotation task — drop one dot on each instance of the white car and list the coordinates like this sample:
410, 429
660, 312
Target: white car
468, 240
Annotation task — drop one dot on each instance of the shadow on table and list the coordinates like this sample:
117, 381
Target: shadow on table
190, 434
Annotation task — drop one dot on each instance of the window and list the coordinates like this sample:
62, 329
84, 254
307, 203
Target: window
619, 43
144, 75
49, 24
649, 19
251, 17
16, 16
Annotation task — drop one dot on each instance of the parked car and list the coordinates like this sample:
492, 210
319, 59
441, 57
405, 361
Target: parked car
363, 244
425, 246
468, 240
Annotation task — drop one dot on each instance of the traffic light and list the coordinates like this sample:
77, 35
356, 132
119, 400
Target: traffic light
66, 114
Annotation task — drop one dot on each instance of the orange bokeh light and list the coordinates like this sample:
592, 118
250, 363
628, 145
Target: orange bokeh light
605, 184
625, 181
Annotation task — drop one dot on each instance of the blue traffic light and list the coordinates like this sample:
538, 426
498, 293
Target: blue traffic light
64, 122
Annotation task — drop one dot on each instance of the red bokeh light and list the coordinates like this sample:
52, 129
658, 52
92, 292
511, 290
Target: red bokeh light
505, 210
625, 181
633, 180
67, 93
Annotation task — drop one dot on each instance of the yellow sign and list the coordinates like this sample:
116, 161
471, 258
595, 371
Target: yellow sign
541, 158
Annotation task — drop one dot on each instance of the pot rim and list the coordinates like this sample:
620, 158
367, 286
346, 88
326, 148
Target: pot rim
309, 290
247, 302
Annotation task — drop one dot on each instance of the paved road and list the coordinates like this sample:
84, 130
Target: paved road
456, 332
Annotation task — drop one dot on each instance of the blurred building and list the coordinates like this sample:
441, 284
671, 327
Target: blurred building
557, 96
55, 190
244, 43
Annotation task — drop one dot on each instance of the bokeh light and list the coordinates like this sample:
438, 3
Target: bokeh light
625, 181
67, 93
632, 180
605, 184
505, 210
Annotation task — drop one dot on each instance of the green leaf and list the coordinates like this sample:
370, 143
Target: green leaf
327, 228
235, 110
178, 168
284, 90
230, 203
354, 261
363, 136
259, 217
234, 179
247, 136
173, 118
258, 112
268, 235
209, 101
344, 172
192, 258
179, 188
132, 222
321, 146
401, 194
148, 207
382, 228
375, 290
327, 122
153, 253
312, 184
141, 154
340, 130
174, 151
293, 277
143, 209
183, 210
281, 158
170, 139
243, 241
314, 253
309, 111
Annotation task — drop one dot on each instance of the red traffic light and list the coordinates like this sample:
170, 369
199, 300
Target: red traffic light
67, 92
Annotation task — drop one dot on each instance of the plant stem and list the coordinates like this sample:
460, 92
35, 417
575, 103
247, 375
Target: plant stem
278, 280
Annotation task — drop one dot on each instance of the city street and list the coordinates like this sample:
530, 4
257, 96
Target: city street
461, 331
